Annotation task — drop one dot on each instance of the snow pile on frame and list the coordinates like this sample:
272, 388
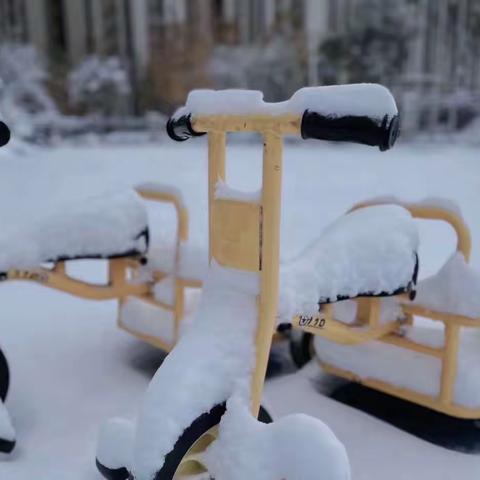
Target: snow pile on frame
455, 288
214, 354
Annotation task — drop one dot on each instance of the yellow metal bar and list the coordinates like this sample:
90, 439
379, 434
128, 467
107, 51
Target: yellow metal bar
344, 334
280, 124
447, 318
270, 253
216, 172
403, 342
64, 283
449, 364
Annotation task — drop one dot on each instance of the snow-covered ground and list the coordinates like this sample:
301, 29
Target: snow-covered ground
72, 367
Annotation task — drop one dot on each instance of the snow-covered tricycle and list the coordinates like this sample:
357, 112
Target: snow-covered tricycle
112, 227
421, 348
198, 416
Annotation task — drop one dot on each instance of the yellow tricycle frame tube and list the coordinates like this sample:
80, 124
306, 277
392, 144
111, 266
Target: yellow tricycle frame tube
56, 277
246, 235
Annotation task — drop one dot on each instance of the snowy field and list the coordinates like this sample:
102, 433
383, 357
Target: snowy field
72, 367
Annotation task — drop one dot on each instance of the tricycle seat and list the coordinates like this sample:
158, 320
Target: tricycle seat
103, 226
368, 252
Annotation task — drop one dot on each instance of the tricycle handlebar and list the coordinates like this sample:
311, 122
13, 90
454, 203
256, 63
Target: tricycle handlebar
180, 129
351, 128
361, 113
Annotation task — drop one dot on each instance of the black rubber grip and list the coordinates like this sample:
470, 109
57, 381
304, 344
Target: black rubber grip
180, 129
351, 128
4, 134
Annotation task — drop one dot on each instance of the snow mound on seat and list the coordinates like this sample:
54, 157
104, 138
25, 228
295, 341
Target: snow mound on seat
455, 288
211, 357
115, 444
103, 225
372, 100
371, 250
296, 447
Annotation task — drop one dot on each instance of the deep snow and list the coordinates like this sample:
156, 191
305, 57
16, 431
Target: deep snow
72, 368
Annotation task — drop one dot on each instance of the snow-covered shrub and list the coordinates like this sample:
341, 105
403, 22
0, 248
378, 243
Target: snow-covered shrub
273, 68
374, 48
100, 85
24, 100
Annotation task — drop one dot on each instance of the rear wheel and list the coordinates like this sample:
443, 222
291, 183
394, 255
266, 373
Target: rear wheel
4, 376
301, 348
184, 462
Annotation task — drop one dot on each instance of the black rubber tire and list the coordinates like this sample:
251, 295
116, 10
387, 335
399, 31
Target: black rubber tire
301, 349
264, 416
201, 425
4, 376
6, 446
112, 474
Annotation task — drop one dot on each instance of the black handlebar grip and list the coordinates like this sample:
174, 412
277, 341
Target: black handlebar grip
180, 129
351, 128
4, 134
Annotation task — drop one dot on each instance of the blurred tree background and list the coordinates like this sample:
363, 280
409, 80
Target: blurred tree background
74, 64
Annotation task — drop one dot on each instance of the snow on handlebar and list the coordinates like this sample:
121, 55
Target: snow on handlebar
4, 134
359, 113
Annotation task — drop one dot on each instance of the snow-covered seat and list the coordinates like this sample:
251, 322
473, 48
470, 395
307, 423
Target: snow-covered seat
103, 226
368, 252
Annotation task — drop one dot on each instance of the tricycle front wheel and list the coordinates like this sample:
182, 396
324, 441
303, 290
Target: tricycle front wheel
184, 462
4, 376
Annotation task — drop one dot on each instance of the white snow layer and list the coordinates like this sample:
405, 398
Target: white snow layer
147, 319
454, 289
193, 260
296, 447
102, 225
371, 250
361, 99
212, 356
408, 369
7, 431
225, 192
115, 443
